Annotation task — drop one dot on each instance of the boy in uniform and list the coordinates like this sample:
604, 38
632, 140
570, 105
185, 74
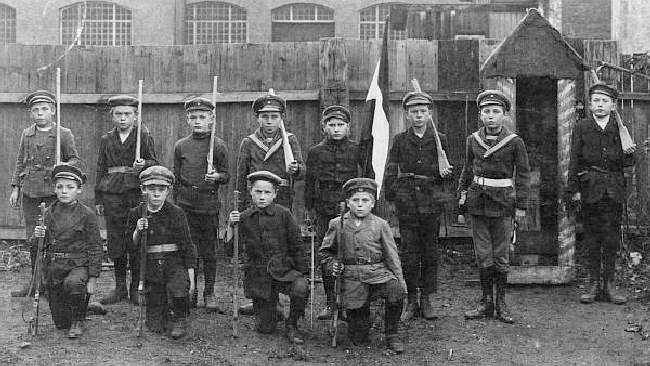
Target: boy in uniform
493, 188
330, 164
117, 189
596, 179
73, 251
31, 182
171, 255
369, 263
275, 259
414, 181
196, 190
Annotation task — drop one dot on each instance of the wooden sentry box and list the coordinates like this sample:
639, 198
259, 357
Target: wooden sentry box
538, 69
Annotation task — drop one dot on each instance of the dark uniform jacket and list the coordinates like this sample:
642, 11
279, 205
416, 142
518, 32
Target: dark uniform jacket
597, 161
329, 165
191, 191
114, 153
72, 240
510, 161
167, 226
36, 159
254, 156
368, 251
412, 179
272, 245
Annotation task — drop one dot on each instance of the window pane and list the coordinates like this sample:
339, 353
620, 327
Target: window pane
7, 24
325, 13
282, 13
367, 14
304, 12
215, 22
367, 31
102, 24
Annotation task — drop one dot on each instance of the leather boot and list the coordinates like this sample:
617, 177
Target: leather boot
426, 303
592, 291
394, 343
326, 313
180, 318
412, 308
485, 307
292, 331
611, 294
211, 304
246, 309
500, 304
119, 293
391, 326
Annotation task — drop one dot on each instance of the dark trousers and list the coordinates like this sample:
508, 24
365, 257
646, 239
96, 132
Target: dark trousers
419, 252
602, 236
31, 213
203, 230
359, 321
321, 223
67, 298
265, 309
119, 242
157, 313
492, 238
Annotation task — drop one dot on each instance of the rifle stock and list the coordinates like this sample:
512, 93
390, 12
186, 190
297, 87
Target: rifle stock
36, 276
138, 136
143, 265
337, 281
235, 269
312, 268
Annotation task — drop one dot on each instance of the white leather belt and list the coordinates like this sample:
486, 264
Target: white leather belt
489, 182
162, 248
119, 169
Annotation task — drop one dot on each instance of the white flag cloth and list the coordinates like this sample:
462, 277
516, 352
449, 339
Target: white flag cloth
286, 147
380, 130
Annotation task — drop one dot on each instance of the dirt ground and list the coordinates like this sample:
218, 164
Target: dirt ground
551, 328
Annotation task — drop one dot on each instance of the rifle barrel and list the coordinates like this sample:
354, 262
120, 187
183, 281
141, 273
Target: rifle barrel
139, 123
235, 268
58, 117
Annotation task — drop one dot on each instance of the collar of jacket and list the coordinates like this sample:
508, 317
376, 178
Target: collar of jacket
610, 126
269, 210
428, 134
504, 132
263, 137
200, 135
349, 219
334, 144
31, 130
130, 138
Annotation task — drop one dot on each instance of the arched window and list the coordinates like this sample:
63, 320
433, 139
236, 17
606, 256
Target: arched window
372, 20
301, 22
7, 24
96, 23
215, 22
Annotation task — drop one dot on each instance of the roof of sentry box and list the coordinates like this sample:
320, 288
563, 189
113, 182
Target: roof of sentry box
534, 48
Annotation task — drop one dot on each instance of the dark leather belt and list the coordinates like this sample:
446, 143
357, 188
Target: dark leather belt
65, 255
360, 261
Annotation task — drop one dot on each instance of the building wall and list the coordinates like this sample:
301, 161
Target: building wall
630, 26
587, 18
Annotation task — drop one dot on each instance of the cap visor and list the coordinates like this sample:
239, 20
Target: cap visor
155, 181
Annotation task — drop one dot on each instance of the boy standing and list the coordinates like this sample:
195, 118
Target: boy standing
73, 251
196, 190
171, 255
369, 263
276, 261
495, 183
31, 183
329, 165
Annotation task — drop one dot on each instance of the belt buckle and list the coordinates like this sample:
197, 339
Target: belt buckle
160, 262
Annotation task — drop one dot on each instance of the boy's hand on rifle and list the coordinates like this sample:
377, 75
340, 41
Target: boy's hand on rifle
142, 224
100, 210
213, 176
337, 268
139, 164
190, 272
39, 231
90, 286
293, 168
14, 198
234, 217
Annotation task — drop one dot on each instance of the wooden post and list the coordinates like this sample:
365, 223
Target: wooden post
333, 73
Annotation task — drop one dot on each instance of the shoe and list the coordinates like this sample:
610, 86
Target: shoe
500, 304
326, 313
394, 343
412, 308
96, 308
427, 308
612, 295
293, 334
485, 307
178, 329
211, 304
23, 292
592, 291
246, 309
76, 330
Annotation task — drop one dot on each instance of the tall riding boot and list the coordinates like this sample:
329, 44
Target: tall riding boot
291, 327
359, 324
77, 305
119, 292
412, 308
156, 310
426, 303
609, 288
391, 325
485, 306
180, 318
59, 308
502, 311
328, 286
593, 288
209, 274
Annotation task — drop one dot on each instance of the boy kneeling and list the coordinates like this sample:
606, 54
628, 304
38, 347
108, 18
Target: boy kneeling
171, 254
276, 261
369, 263
73, 251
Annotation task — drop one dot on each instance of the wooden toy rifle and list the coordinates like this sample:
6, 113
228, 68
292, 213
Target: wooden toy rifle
58, 117
143, 265
36, 277
214, 126
235, 270
312, 268
337, 280
138, 136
